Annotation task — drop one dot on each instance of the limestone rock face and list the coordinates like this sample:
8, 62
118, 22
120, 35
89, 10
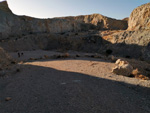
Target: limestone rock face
140, 18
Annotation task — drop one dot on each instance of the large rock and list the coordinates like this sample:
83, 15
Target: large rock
122, 68
140, 18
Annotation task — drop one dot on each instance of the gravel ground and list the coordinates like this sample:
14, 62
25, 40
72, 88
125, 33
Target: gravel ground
81, 85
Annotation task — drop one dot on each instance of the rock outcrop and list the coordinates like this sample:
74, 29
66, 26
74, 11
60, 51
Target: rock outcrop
140, 18
4, 7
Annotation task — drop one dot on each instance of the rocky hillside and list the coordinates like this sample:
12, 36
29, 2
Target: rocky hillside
11, 24
140, 18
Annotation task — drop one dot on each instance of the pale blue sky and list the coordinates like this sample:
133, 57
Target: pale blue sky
118, 9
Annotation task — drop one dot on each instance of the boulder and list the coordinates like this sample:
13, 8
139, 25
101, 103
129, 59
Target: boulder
122, 68
140, 18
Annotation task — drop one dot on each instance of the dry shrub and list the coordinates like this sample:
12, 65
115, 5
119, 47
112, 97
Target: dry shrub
31, 58
137, 74
143, 77
66, 55
46, 56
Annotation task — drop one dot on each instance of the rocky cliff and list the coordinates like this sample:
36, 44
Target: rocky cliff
11, 24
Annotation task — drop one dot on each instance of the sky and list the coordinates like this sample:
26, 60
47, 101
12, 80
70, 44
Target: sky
118, 9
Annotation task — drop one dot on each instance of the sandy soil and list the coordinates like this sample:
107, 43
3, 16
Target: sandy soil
71, 85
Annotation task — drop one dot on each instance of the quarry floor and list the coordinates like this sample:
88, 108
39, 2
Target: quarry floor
70, 85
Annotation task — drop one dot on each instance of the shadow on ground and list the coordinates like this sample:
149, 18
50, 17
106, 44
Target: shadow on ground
38, 89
